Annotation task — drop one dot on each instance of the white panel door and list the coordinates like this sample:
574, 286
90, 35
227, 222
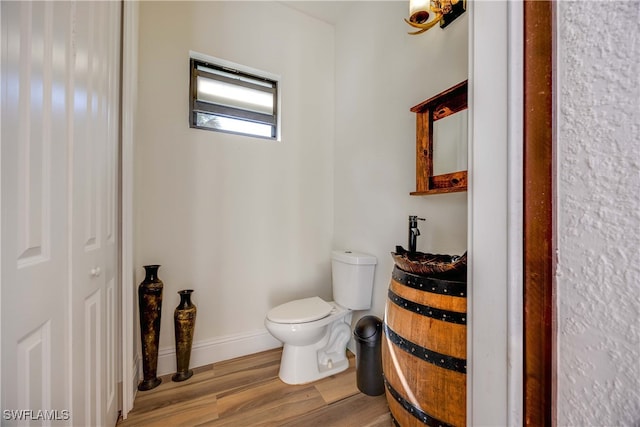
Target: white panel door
93, 211
59, 135
34, 210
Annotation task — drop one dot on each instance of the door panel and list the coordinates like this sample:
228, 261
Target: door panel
93, 210
60, 127
34, 207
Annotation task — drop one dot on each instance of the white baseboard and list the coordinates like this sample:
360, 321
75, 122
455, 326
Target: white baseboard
217, 349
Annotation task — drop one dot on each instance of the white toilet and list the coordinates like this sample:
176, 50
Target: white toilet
315, 333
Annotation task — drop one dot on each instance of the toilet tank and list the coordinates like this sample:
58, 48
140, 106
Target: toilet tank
352, 279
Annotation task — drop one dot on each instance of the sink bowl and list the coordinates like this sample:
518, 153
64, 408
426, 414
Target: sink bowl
430, 264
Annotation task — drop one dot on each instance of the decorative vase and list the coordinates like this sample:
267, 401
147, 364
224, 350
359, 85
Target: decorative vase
184, 322
150, 307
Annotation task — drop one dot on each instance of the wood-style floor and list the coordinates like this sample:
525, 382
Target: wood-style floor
247, 392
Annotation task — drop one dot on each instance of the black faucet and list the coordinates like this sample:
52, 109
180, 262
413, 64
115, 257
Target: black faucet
413, 232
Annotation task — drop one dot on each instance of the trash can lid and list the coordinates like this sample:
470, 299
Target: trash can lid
368, 327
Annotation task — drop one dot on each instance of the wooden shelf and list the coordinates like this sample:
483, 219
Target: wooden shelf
438, 191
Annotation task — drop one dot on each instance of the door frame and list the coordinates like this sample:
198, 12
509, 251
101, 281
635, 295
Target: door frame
494, 204
513, 350
539, 214
130, 11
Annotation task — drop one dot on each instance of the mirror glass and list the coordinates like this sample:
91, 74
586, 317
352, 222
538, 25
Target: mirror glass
450, 143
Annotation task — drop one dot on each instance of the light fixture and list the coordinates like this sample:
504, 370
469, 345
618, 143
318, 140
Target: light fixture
424, 14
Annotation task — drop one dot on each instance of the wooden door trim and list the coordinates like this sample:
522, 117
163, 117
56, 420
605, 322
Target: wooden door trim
539, 218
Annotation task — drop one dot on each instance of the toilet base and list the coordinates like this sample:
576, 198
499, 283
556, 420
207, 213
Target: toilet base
299, 365
305, 364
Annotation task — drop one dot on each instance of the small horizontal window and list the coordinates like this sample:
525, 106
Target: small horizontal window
228, 100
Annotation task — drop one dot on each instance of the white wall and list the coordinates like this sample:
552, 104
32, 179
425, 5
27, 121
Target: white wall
381, 72
598, 215
247, 223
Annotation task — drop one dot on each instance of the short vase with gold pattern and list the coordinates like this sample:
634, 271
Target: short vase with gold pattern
184, 321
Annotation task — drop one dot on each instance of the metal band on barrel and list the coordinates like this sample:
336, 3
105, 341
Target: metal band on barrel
442, 360
418, 413
428, 284
425, 310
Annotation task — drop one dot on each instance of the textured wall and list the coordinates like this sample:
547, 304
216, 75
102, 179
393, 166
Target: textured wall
598, 215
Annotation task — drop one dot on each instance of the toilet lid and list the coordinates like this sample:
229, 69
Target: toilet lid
300, 311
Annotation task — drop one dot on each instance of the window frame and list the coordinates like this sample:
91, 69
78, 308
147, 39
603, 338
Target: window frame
198, 106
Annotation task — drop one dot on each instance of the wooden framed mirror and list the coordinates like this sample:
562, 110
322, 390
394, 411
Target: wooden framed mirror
441, 142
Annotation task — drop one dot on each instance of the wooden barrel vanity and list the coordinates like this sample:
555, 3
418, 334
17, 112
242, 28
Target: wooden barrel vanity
424, 349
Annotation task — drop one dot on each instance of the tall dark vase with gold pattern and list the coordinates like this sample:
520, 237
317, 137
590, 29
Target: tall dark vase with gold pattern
150, 307
184, 321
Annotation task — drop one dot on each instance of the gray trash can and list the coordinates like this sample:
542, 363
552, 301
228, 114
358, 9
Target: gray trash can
368, 336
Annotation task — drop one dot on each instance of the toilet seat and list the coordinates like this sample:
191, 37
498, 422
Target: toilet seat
300, 311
